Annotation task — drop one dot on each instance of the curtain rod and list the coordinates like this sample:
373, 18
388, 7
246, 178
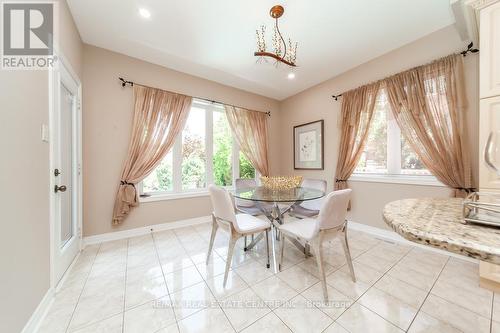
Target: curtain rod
126, 83
463, 53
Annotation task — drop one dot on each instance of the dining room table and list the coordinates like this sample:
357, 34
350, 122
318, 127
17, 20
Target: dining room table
274, 203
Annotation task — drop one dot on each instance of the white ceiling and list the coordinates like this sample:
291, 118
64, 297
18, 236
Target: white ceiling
215, 39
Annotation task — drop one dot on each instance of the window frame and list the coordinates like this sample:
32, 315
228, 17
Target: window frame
393, 161
177, 191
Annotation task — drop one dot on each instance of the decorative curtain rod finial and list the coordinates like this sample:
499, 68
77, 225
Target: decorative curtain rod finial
336, 97
124, 82
469, 49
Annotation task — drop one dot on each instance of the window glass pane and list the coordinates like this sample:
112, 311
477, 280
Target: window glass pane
223, 150
410, 163
193, 151
246, 168
374, 156
160, 180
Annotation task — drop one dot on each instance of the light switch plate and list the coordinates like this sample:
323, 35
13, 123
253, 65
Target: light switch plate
45, 133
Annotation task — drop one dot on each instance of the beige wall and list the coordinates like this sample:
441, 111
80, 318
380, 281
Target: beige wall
316, 103
107, 119
24, 175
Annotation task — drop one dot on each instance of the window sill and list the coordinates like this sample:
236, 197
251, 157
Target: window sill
397, 179
173, 196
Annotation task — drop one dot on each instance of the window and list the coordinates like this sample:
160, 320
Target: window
386, 151
205, 153
194, 159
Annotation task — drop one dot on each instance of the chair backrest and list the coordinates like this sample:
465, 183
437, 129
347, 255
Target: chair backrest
244, 183
334, 209
222, 203
317, 184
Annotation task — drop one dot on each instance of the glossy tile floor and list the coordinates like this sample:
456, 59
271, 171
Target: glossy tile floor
160, 283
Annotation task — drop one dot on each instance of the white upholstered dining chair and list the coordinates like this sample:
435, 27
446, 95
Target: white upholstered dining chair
237, 225
309, 208
330, 223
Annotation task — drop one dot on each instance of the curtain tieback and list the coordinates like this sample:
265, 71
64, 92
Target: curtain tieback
124, 182
465, 189
340, 180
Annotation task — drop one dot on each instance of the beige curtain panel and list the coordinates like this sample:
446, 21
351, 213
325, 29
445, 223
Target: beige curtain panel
429, 105
356, 116
159, 116
250, 130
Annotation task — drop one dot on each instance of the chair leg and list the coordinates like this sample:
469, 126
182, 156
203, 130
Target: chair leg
282, 249
245, 244
307, 250
229, 258
348, 253
318, 251
215, 226
267, 249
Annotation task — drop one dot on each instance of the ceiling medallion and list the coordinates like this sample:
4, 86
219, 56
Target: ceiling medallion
281, 52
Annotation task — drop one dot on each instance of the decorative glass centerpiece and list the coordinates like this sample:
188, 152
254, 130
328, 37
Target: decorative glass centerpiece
281, 182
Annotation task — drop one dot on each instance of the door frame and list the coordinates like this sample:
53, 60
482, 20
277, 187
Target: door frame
63, 68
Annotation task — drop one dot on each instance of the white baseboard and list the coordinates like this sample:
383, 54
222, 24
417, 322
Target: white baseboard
391, 236
40, 312
111, 236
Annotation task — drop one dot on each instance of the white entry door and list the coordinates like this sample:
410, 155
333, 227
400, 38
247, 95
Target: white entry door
65, 170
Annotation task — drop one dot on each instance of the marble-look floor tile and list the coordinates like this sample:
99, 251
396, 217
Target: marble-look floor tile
142, 287
233, 285
496, 307
428, 258
172, 328
216, 266
310, 265
416, 278
391, 251
253, 272
478, 303
58, 318
301, 316
297, 278
128, 275
149, 317
343, 282
98, 305
376, 262
363, 273
424, 323
269, 323
403, 291
495, 327
358, 319
182, 278
207, 320
174, 264
110, 325
148, 258
389, 307
337, 302
244, 308
459, 317
335, 328
274, 291
191, 300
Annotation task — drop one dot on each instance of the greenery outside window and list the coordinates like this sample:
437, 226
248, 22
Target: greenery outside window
205, 153
386, 151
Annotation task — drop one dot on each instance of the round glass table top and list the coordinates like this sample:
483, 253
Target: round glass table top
261, 193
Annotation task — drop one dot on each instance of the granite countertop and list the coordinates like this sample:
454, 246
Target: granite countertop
437, 222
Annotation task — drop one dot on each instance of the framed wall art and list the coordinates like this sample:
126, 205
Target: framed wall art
308, 146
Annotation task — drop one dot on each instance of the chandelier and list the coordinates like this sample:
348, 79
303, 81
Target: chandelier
281, 52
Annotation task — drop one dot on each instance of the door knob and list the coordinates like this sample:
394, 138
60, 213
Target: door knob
61, 188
